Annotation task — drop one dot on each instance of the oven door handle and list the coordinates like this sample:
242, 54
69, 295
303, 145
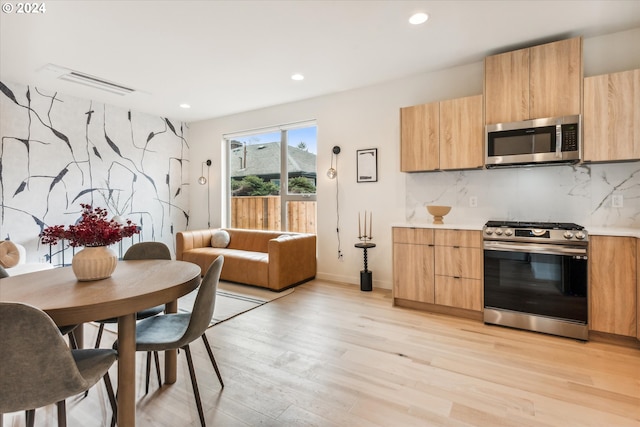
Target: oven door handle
534, 248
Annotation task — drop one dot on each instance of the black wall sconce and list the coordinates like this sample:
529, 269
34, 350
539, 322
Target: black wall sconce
204, 179
333, 172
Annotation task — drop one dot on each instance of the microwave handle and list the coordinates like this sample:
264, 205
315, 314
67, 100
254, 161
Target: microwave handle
558, 141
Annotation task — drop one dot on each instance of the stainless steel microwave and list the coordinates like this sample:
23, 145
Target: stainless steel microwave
534, 142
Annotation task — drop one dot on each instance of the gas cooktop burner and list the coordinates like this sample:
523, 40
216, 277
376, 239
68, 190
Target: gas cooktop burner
535, 225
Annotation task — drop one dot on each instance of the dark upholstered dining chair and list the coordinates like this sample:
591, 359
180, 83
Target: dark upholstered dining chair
178, 330
142, 250
64, 330
37, 367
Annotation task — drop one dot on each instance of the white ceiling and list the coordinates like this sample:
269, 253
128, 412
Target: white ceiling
225, 57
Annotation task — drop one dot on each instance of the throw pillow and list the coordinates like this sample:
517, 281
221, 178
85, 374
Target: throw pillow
9, 254
220, 239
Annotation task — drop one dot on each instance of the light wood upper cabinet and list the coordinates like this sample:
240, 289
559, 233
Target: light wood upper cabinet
612, 285
612, 117
461, 133
555, 79
420, 137
413, 271
538, 82
506, 87
442, 135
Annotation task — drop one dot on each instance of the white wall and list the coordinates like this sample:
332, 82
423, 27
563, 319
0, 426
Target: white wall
369, 118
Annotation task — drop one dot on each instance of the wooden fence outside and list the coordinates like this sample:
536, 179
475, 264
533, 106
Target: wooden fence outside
263, 213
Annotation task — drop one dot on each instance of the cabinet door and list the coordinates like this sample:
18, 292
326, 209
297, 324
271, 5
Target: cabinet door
459, 292
612, 285
452, 237
555, 79
461, 133
413, 272
459, 262
418, 236
506, 87
638, 288
612, 117
419, 138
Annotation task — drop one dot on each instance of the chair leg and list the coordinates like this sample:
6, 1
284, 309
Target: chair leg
62, 413
157, 360
112, 397
194, 383
148, 371
213, 360
99, 337
73, 343
30, 417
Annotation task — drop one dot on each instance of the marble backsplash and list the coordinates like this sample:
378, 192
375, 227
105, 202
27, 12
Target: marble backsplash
579, 193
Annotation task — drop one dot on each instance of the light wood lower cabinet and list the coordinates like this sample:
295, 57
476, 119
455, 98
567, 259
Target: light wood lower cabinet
458, 267
638, 288
613, 285
459, 292
441, 267
413, 272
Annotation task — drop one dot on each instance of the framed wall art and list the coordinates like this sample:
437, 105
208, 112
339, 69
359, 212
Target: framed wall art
367, 169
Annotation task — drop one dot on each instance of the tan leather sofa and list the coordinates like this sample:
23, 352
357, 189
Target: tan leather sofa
269, 259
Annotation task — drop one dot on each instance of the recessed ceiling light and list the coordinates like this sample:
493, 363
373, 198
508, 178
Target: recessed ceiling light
418, 18
185, 106
297, 76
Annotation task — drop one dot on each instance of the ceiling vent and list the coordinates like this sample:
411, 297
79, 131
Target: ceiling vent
87, 80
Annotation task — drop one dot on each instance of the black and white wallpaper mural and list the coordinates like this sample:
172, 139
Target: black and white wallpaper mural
58, 151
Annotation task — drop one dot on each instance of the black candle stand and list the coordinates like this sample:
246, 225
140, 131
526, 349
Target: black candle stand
366, 279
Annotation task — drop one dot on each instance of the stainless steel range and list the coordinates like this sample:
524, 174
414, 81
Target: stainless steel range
535, 277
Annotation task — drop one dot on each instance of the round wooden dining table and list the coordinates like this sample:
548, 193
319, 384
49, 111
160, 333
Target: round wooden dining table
134, 285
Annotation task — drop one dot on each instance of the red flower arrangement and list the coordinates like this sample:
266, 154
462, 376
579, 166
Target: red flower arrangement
93, 229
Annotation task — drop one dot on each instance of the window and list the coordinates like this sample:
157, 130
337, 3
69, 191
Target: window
259, 198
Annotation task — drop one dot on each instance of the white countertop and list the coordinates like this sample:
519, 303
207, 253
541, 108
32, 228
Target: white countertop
595, 231
450, 226
614, 231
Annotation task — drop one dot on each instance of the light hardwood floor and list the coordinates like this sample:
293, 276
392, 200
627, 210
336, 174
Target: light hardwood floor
330, 355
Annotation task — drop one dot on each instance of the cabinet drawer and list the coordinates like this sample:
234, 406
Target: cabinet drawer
463, 238
459, 262
417, 236
460, 293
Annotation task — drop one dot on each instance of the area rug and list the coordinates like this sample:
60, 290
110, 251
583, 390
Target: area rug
233, 299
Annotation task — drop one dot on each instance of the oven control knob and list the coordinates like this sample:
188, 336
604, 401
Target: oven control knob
567, 234
489, 231
508, 232
499, 231
580, 235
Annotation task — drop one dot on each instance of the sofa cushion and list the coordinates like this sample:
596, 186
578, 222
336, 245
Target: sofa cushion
220, 239
9, 254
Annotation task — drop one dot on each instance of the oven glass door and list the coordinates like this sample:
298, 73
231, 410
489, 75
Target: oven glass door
539, 279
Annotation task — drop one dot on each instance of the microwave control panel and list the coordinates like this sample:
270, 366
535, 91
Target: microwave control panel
570, 137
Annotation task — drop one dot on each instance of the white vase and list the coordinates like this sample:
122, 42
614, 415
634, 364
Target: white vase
94, 263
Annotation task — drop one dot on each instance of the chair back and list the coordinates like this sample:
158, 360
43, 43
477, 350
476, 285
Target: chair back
36, 365
147, 250
204, 304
